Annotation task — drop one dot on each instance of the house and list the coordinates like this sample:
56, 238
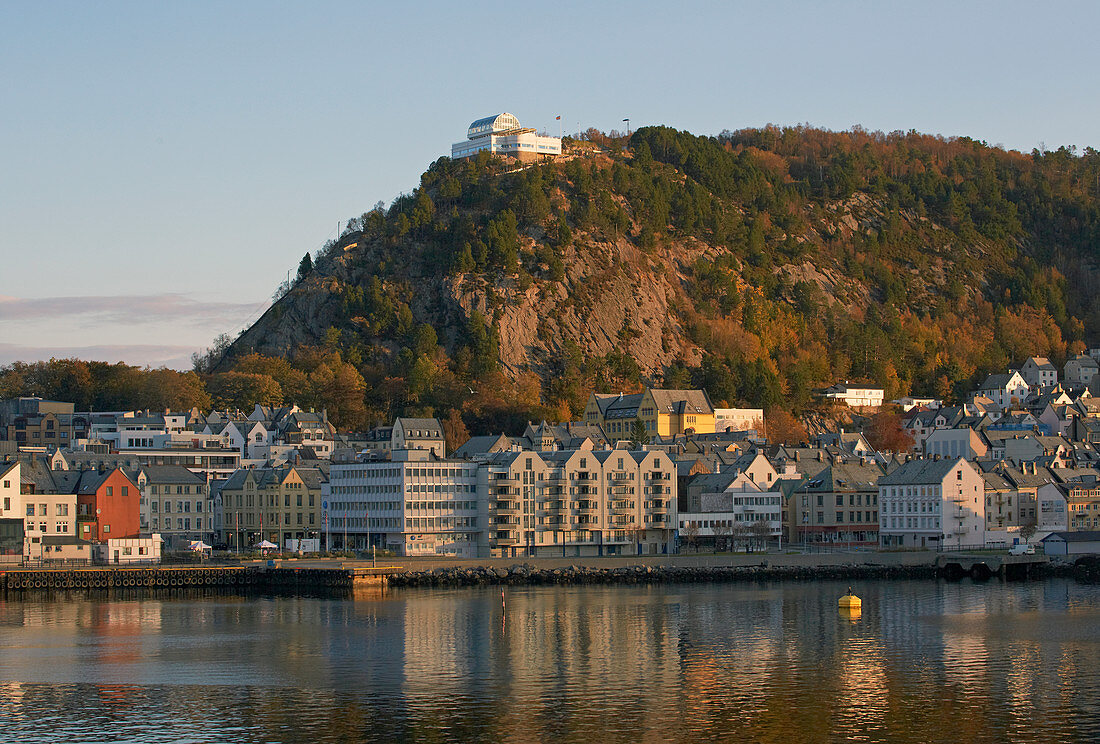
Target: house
910, 402
176, 504
962, 442
1072, 543
856, 397
1052, 513
932, 503
1004, 390
108, 506
850, 441
738, 419
1039, 372
419, 434
1081, 369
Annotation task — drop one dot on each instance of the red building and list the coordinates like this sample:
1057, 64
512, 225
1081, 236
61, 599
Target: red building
108, 505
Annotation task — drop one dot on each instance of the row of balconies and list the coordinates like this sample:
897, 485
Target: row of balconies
505, 535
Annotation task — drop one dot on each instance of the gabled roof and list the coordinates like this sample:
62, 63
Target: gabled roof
848, 476
682, 401
920, 472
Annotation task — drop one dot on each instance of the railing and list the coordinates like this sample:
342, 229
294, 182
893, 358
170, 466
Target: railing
587, 506
556, 506
507, 507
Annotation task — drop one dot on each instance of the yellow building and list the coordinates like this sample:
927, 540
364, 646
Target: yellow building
271, 503
665, 413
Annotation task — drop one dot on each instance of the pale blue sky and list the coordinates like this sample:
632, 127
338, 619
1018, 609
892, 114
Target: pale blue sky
155, 157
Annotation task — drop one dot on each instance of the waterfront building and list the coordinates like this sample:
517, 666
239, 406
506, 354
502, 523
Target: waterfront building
276, 503
501, 134
175, 503
838, 504
508, 503
108, 505
413, 504
930, 503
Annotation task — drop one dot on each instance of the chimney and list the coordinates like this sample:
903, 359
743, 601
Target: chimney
820, 456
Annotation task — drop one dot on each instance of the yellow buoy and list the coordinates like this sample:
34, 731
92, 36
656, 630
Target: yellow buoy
850, 601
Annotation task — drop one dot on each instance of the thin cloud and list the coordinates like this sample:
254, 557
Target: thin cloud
128, 309
142, 355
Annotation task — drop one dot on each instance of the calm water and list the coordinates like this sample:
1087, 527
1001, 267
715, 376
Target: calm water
926, 662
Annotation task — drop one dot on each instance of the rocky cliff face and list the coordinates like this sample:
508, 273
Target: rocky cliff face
905, 260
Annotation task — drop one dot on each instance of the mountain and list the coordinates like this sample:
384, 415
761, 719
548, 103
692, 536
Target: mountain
760, 264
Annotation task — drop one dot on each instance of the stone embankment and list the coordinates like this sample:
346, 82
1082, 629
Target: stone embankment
525, 574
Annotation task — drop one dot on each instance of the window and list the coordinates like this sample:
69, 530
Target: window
110, 491
30, 510
125, 491
106, 528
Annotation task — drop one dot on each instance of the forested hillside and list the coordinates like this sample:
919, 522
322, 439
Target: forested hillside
758, 264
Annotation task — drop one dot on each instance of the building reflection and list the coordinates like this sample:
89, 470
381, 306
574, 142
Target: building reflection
755, 662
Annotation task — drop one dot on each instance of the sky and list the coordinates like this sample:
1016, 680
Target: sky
163, 166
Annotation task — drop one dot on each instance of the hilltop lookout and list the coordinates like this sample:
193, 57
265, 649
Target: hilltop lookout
501, 134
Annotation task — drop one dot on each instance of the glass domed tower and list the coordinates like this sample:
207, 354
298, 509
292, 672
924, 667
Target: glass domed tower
501, 134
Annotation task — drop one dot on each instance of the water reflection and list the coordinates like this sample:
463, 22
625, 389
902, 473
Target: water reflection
925, 661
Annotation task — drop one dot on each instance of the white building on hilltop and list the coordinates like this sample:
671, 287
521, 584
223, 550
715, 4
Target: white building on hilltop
501, 134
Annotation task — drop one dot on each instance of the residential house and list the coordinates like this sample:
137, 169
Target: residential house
176, 504
1080, 369
962, 442
419, 434
108, 505
854, 396
1004, 390
1039, 372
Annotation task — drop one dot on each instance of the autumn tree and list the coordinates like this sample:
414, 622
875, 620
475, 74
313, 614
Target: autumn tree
243, 390
783, 428
885, 433
455, 433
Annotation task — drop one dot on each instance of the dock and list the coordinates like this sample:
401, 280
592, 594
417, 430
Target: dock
983, 567
16, 581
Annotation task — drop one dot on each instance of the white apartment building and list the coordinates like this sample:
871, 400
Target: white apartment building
501, 134
932, 503
516, 503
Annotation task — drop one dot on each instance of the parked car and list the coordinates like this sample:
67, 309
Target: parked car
1022, 549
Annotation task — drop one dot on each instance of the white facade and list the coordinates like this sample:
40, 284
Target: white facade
1006, 391
738, 419
854, 396
932, 504
412, 505
125, 550
502, 135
